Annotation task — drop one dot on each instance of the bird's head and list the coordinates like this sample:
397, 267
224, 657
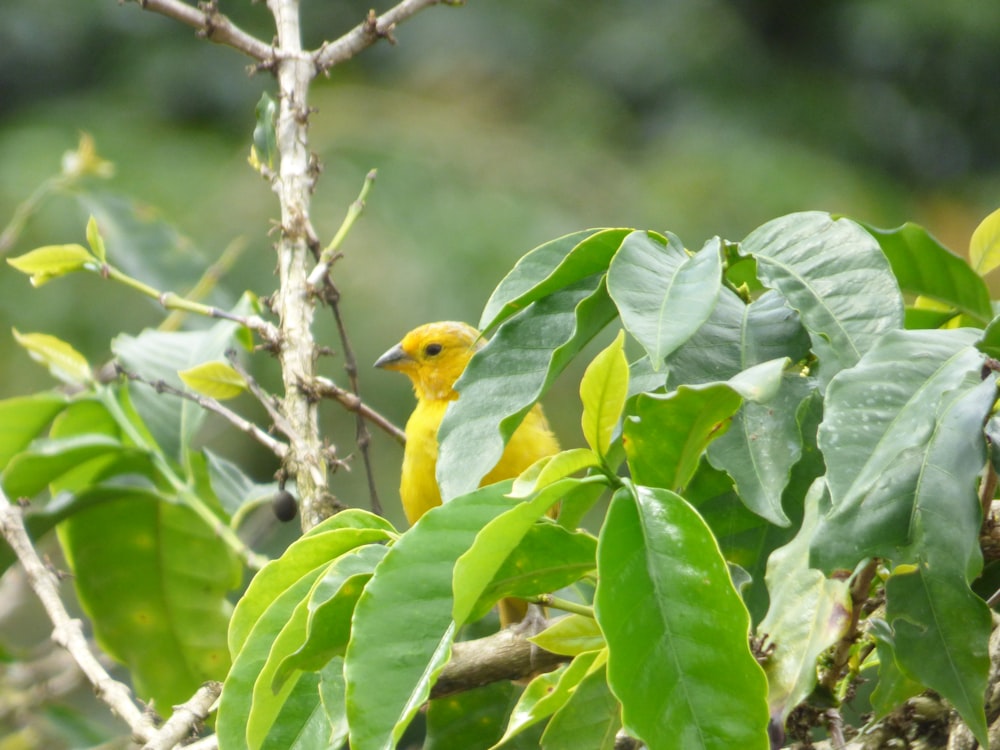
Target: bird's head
433, 356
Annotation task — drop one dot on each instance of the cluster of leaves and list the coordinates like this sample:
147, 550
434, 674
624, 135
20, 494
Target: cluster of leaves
797, 405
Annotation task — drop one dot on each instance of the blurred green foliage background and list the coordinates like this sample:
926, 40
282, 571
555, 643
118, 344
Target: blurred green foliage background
494, 127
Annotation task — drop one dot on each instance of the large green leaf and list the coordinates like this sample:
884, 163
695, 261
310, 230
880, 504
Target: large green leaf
403, 628
883, 440
834, 275
507, 376
23, 419
667, 434
674, 623
664, 294
737, 336
239, 693
47, 459
473, 719
893, 686
808, 612
325, 542
153, 578
926, 268
549, 268
159, 356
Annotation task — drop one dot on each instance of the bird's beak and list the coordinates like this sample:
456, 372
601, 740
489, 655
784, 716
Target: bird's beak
394, 359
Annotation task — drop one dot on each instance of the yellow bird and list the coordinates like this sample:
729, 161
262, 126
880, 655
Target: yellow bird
432, 357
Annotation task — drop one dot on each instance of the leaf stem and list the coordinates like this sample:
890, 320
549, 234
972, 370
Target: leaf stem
548, 600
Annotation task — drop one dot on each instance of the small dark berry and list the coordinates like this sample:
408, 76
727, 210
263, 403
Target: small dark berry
284, 506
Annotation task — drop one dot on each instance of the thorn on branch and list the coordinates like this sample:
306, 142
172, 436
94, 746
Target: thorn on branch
375, 31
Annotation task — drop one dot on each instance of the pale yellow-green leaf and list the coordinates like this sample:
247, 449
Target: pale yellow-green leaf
51, 261
95, 240
571, 635
984, 247
216, 380
62, 360
551, 469
603, 391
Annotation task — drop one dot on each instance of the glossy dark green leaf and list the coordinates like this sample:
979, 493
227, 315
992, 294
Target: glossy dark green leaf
889, 444
667, 434
153, 579
925, 267
663, 293
674, 623
408, 652
507, 376
549, 268
893, 686
833, 273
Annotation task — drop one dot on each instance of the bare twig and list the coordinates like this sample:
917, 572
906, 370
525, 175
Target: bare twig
66, 631
371, 30
329, 254
328, 389
186, 717
210, 404
212, 25
207, 282
267, 400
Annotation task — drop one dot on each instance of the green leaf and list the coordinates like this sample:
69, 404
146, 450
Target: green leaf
737, 336
330, 606
265, 140
159, 356
667, 434
506, 377
549, 692
941, 632
603, 390
331, 693
550, 267
493, 544
835, 276
549, 557
889, 446
571, 635
62, 361
984, 247
218, 380
925, 267
239, 694
326, 541
551, 469
24, 418
893, 686
163, 613
95, 240
46, 459
471, 719
403, 629
674, 623
51, 262
808, 613
761, 446
302, 723
589, 720
664, 294
235, 491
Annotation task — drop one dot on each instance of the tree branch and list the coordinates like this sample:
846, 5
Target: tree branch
66, 631
212, 25
371, 30
506, 655
326, 388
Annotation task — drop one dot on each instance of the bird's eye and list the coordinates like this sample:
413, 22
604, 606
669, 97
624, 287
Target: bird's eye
432, 350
